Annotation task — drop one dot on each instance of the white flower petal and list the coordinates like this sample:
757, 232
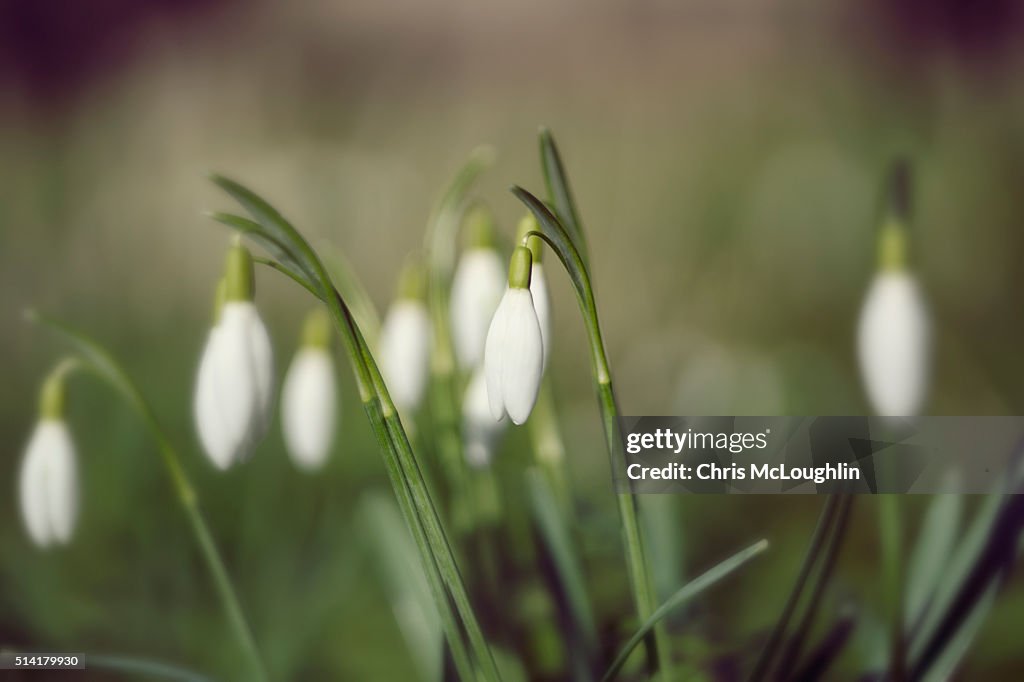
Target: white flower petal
477, 288
523, 360
405, 352
48, 484
213, 435
234, 386
494, 354
309, 407
893, 345
263, 370
542, 304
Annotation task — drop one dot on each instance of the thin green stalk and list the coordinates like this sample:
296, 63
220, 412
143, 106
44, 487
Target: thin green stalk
403, 486
683, 596
818, 539
101, 363
640, 577
791, 654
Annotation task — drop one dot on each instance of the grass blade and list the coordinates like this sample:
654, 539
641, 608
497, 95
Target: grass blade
682, 596
559, 191
931, 555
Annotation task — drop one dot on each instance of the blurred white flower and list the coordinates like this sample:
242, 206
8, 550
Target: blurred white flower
514, 355
234, 386
309, 407
542, 302
48, 484
405, 351
476, 290
893, 342
480, 431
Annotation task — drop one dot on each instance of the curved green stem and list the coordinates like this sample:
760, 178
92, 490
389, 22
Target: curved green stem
640, 578
103, 364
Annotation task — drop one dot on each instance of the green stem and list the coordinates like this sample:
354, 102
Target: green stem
817, 544
413, 491
640, 578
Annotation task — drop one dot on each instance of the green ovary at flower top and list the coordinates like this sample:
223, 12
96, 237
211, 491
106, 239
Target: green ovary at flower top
309, 396
48, 481
514, 354
235, 381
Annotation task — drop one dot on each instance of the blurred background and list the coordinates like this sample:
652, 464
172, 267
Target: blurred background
728, 160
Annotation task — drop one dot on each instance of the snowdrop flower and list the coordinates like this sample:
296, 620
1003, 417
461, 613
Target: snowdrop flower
514, 355
893, 336
405, 343
477, 286
538, 281
480, 431
234, 386
48, 482
309, 396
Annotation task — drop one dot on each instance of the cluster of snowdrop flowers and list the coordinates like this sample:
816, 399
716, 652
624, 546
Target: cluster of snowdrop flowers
405, 342
235, 382
309, 402
48, 481
893, 337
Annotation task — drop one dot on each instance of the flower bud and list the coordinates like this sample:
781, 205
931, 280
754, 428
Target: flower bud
893, 344
514, 355
477, 287
234, 386
309, 396
893, 336
48, 481
480, 431
405, 343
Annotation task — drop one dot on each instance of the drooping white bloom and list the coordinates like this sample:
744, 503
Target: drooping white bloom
476, 290
235, 383
309, 406
514, 354
542, 302
893, 342
48, 484
479, 429
405, 351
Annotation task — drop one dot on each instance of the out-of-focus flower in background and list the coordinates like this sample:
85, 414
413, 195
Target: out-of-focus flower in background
235, 382
309, 404
405, 342
477, 287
